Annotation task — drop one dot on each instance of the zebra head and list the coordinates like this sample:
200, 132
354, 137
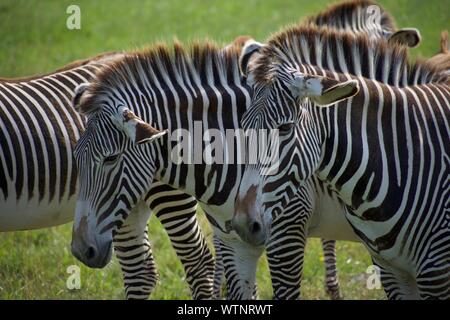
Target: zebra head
378, 23
368, 17
110, 157
287, 98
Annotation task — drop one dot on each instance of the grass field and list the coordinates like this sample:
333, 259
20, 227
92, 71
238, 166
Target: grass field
34, 39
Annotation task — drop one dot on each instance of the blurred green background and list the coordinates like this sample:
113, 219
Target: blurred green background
34, 39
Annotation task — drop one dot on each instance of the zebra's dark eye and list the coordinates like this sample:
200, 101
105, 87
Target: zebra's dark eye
111, 159
286, 127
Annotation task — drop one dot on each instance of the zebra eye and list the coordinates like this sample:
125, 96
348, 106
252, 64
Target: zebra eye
286, 127
111, 159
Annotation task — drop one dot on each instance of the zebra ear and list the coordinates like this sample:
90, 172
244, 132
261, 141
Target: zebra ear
249, 53
408, 36
323, 91
335, 91
139, 131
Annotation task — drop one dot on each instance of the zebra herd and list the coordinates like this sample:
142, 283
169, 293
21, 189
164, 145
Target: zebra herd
363, 156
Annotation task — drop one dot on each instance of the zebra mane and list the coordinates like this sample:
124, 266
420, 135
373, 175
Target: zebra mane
100, 58
193, 65
370, 58
336, 15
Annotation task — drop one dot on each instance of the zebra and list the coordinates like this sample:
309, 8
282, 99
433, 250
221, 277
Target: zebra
38, 130
364, 16
360, 17
387, 197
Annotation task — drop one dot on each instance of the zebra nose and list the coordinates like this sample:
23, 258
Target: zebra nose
90, 253
255, 227
250, 228
257, 236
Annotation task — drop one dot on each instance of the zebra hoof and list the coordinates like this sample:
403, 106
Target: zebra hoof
333, 293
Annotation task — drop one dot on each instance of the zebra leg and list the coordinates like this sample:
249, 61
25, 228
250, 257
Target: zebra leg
133, 250
331, 276
240, 260
433, 281
433, 272
177, 213
219, 269
285, 253
286, 247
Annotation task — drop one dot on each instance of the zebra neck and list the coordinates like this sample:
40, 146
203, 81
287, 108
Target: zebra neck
353, 162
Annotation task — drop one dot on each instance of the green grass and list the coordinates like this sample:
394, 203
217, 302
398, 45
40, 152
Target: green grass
34, 39
33, 265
